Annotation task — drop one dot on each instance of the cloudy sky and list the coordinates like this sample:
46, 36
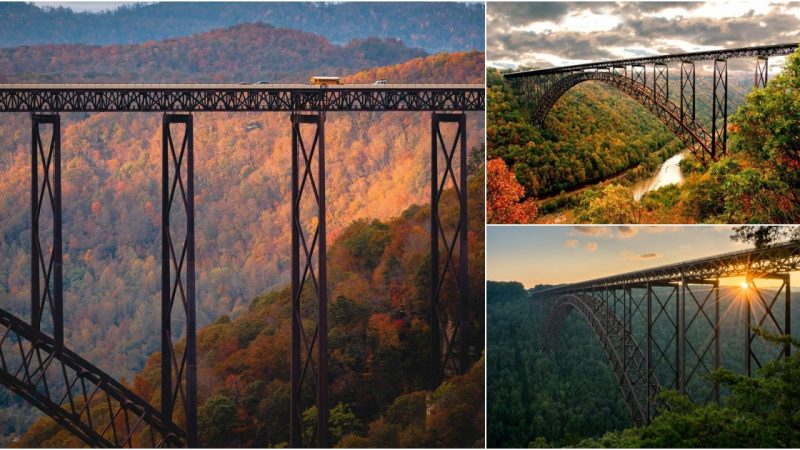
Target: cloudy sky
563, 254
549, 34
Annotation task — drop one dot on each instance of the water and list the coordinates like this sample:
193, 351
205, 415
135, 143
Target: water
668, 173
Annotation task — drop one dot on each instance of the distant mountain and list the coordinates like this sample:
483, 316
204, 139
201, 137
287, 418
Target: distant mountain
436, 27
248, 52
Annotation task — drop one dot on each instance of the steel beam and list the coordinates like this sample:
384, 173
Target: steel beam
444, 242
47, 289
178, 368
309, 242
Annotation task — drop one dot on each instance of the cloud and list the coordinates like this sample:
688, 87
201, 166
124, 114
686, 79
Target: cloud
546, 34
571, 243
631, 256
602, 231
591, 246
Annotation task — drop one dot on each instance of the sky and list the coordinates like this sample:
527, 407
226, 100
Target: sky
552, 34
568, 254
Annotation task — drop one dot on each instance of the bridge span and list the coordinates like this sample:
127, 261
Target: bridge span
660, 327
538, 90
102, 412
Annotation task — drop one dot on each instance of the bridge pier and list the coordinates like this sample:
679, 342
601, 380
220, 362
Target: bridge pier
308, 242
719, 109
661, 79
687, 90
703, 308
757, 317
639, 73
46, 264
443, 249
762, 66
178, 272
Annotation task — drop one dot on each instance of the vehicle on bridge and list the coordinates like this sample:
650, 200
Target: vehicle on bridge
326, 81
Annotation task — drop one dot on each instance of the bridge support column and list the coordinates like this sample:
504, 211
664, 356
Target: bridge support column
687, 90
762, 66
680, 332
47, 290
704, 315
308, 241
760, 313
639, 74
661, 79
443, 248
719, 110
178, 370
652, 388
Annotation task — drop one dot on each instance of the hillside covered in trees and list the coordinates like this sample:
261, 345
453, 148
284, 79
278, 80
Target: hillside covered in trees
379, 289
597, 143
248, 53
434, 26
376, 167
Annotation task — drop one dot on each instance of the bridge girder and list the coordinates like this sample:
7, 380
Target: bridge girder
189, 98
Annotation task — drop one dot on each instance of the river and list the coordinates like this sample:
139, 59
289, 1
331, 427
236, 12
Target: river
668, 173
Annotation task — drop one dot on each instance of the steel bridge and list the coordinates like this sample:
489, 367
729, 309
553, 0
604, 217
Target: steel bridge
101, 411
538, 90
660, 327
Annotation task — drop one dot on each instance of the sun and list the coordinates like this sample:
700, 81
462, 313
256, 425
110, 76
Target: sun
745, 285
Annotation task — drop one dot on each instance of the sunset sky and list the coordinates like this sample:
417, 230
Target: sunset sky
564, 254
549, 34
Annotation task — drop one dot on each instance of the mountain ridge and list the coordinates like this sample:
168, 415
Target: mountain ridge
421, 24
247, 52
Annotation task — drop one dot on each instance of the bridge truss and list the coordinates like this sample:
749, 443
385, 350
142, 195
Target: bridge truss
538, 90
104, 413
660, 327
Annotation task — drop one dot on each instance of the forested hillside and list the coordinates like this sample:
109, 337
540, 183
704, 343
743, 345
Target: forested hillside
376, 167
379, 290
436, 27
540, 398
249, 53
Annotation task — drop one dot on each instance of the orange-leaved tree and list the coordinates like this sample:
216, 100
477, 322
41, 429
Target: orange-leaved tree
503, 195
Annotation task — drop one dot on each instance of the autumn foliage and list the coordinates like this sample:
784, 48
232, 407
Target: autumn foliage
378, 339
504, 195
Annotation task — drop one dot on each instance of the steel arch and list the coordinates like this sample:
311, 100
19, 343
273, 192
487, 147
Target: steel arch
624, 356
688, 130
76, 394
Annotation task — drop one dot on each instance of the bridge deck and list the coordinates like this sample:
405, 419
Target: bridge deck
781, 258
240, 97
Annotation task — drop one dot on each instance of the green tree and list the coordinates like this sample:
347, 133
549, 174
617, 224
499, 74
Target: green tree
216, 420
